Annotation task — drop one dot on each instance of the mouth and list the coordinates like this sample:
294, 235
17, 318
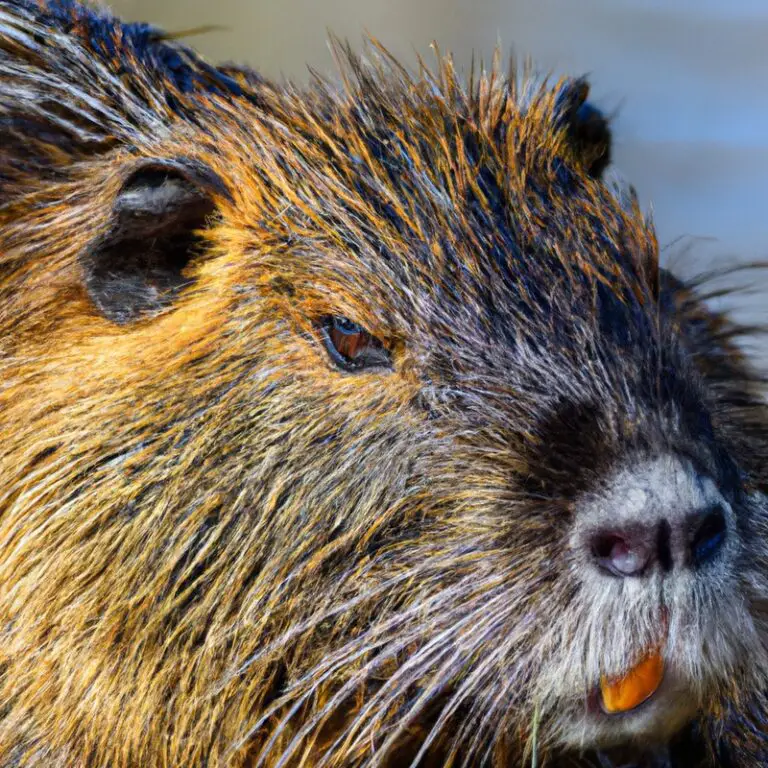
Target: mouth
628, 692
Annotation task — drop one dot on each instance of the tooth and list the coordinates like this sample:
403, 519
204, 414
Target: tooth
636, 686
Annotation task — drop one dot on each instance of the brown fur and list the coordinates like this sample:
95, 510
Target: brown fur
215, 548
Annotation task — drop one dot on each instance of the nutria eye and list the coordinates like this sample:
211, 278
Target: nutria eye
351, 347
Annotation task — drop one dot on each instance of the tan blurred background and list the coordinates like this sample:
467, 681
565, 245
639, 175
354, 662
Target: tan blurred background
688, 78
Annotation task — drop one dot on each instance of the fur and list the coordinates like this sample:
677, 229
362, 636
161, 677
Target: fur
216, 549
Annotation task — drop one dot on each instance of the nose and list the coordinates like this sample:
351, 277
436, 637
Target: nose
655, 518
690, 542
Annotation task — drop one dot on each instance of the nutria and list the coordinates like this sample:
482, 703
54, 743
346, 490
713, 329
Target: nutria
355, 426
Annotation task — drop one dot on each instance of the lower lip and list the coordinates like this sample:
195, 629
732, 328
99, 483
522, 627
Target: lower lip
595, 698
595, 704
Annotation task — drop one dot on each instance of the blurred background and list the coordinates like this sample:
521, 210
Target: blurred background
687, 81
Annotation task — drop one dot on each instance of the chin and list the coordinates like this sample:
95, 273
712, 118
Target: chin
652, 723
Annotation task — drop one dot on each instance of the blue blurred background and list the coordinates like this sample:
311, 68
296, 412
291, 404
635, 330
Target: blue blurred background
687, 79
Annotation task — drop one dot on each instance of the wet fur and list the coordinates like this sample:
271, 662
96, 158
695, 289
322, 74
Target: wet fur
215, 549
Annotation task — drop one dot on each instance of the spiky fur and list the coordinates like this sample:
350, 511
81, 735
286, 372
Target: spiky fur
217, 550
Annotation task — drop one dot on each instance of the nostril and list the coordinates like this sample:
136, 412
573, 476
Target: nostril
708, 534
620, 554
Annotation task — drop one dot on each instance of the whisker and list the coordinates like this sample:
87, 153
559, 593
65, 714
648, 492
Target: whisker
467, 688
376, 637
379, 705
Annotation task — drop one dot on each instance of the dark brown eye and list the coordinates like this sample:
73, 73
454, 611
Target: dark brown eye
351, 347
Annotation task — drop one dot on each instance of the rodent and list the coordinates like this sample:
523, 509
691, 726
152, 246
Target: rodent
355, 426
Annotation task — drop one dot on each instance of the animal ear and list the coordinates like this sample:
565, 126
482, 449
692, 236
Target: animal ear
158, 216
588, 128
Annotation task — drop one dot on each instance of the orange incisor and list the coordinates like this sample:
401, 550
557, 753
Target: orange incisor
624, 693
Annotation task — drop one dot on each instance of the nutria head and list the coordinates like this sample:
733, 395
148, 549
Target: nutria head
355, 427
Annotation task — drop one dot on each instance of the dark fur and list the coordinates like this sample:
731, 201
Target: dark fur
218, 549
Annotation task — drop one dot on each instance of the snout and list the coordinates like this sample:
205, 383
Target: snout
659, 517
654, 548
661, 618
